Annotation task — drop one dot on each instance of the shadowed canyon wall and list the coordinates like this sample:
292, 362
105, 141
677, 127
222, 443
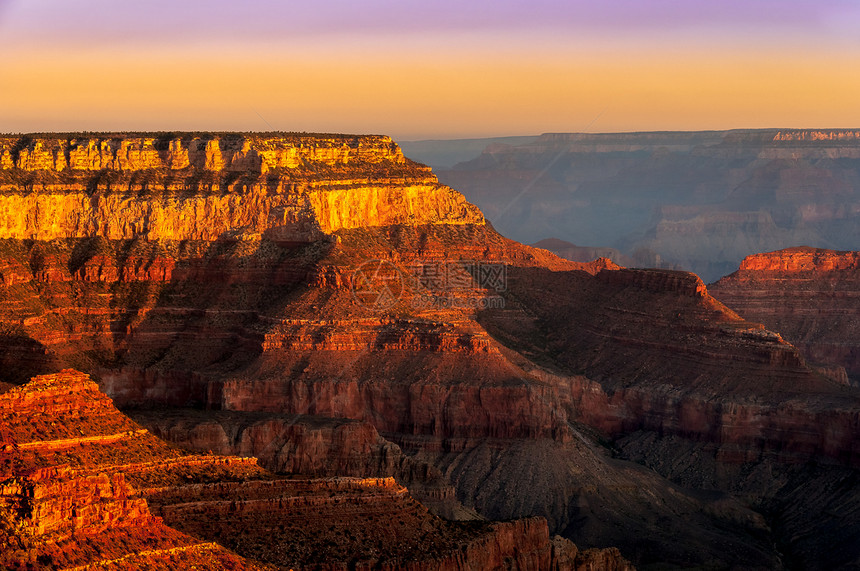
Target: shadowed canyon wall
83, 487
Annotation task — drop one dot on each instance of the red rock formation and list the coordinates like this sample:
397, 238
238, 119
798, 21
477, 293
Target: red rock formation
801, 260
80, 512
272, 324
58, 502
809, 296
65, 500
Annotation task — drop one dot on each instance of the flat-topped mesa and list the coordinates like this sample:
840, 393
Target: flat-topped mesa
286, 187
801, 259
807, 294
846, 140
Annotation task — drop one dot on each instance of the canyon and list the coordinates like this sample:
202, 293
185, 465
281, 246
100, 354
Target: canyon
698, 201
325, 306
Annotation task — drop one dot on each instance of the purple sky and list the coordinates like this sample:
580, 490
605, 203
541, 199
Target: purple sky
194, 20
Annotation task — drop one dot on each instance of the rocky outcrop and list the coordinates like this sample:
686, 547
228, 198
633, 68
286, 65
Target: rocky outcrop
809, 296
83, 514
57, 502
89, 417
67, 502
296, 524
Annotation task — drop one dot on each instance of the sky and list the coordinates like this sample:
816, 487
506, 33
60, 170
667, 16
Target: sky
429, 69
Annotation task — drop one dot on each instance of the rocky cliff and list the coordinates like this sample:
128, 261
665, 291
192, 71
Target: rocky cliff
699, 201
810, 296
65, 499
207, 187
69, 503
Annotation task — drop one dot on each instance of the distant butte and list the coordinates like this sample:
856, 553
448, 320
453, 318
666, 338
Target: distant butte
807, 294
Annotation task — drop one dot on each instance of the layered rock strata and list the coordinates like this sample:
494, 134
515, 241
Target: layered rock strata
67, 503
810, 296
307, 446
66, 462
469, 352
122, 187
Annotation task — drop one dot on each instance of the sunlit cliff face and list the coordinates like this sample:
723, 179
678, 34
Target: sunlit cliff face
219, 186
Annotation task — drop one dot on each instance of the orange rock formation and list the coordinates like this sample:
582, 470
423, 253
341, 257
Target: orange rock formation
72, 506
809, 296
249, 305
201, 188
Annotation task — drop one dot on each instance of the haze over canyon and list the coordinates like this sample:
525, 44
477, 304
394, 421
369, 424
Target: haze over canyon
698, 201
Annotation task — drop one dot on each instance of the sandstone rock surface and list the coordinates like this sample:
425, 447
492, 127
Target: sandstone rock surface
122, 187
810, 296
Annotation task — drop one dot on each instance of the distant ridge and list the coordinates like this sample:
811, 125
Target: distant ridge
700, 200
445, 153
